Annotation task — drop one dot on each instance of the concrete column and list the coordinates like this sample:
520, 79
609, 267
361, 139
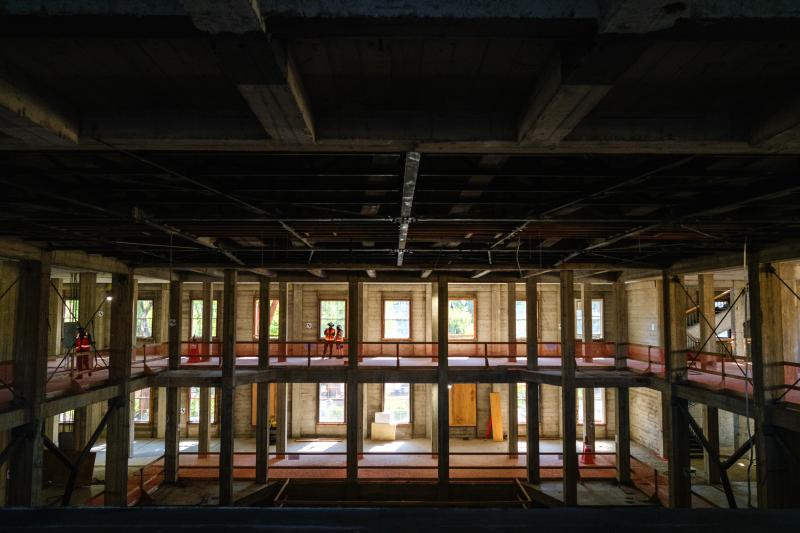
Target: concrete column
675, 424
568, 388
118, 432
262, 389
532, 391
204, 426
84, 425
443, 395
623, 413
352, 392
777, 449
227, 406
171, 432
30, 374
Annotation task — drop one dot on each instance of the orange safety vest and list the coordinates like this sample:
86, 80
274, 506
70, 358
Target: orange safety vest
339, 336
330, 334
83, 344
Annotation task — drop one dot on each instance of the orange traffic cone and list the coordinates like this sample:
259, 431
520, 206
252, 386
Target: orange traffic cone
587, 457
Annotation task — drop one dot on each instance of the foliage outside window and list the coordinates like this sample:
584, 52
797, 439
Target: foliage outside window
397, 319
71, 308
144, 319
274, 324
599, 406
196, 315
397, 402
141, 406
332, 311
194, 405
597, 318
461, 319
331, 403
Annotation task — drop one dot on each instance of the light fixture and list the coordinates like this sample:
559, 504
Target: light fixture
109, 298
449, 386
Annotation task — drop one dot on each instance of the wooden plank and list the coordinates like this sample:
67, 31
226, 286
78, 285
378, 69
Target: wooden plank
497, 416
462, 410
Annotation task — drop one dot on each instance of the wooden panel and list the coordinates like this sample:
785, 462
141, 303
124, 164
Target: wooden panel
497, 416
463, 404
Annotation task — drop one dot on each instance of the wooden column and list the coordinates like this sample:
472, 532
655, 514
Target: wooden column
623, 413
262, 389
511, 304
513, 424
676, 426
204, 426
588, 393
434, 416
83, 425
283, 323
442, 391
568, 388
776, 448
227, 406
281, 419
30, 374
55, 316
710, 414
171, 433
532, 389
351, 393
118, 432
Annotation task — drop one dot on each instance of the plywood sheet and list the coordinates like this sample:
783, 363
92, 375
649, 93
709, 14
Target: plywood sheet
497, 416
463, 404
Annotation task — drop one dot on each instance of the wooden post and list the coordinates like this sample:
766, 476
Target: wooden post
55, 317
283, 313
532, 390
568, 387
171, 433
30, 374
434, 415
513, 427
118, 432
623, 436
227, 407
442, 392
262, 389
676, 426
710, 414
351, 395
282, 419
511, 304
621, 326
776, 448
204, 426
586, 301
83, 425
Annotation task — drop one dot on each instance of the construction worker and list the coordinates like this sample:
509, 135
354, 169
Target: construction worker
339, 341
330, 337
83, 348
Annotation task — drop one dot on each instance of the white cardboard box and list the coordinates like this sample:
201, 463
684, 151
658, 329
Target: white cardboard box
383, 418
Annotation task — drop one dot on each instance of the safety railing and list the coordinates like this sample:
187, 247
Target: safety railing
148, 358
650, 481
718, 371
142, 482
643, 358
72, 366
791, 382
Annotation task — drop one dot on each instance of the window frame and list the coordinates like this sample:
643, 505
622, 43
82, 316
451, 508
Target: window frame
70, 314
344, 413
579, 307
213, 405
474, 300
383, 319
320, 329
522, 395
149, 406
214, 317
579, 405
257, 312
152, 317
410, 402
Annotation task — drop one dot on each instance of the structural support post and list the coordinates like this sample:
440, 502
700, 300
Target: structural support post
676, 426
588, 393
283, 323
227, 410
83, 424
532, 389
351, 393
118, 432
171, 435
511, 304
705, 289
568, 388
776, 448
262, 389
513, 424
442, 391
623, 411
204, 426
281, 419
30, 373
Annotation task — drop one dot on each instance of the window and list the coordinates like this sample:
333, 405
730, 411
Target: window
461, 319
397, 402
144, 319
522, 411
332, 311
330, 403
67, 417
397, 319
194, 405
197, 319
274, 324
71, 308
141, 406
522, 319
597, 319
599, 406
